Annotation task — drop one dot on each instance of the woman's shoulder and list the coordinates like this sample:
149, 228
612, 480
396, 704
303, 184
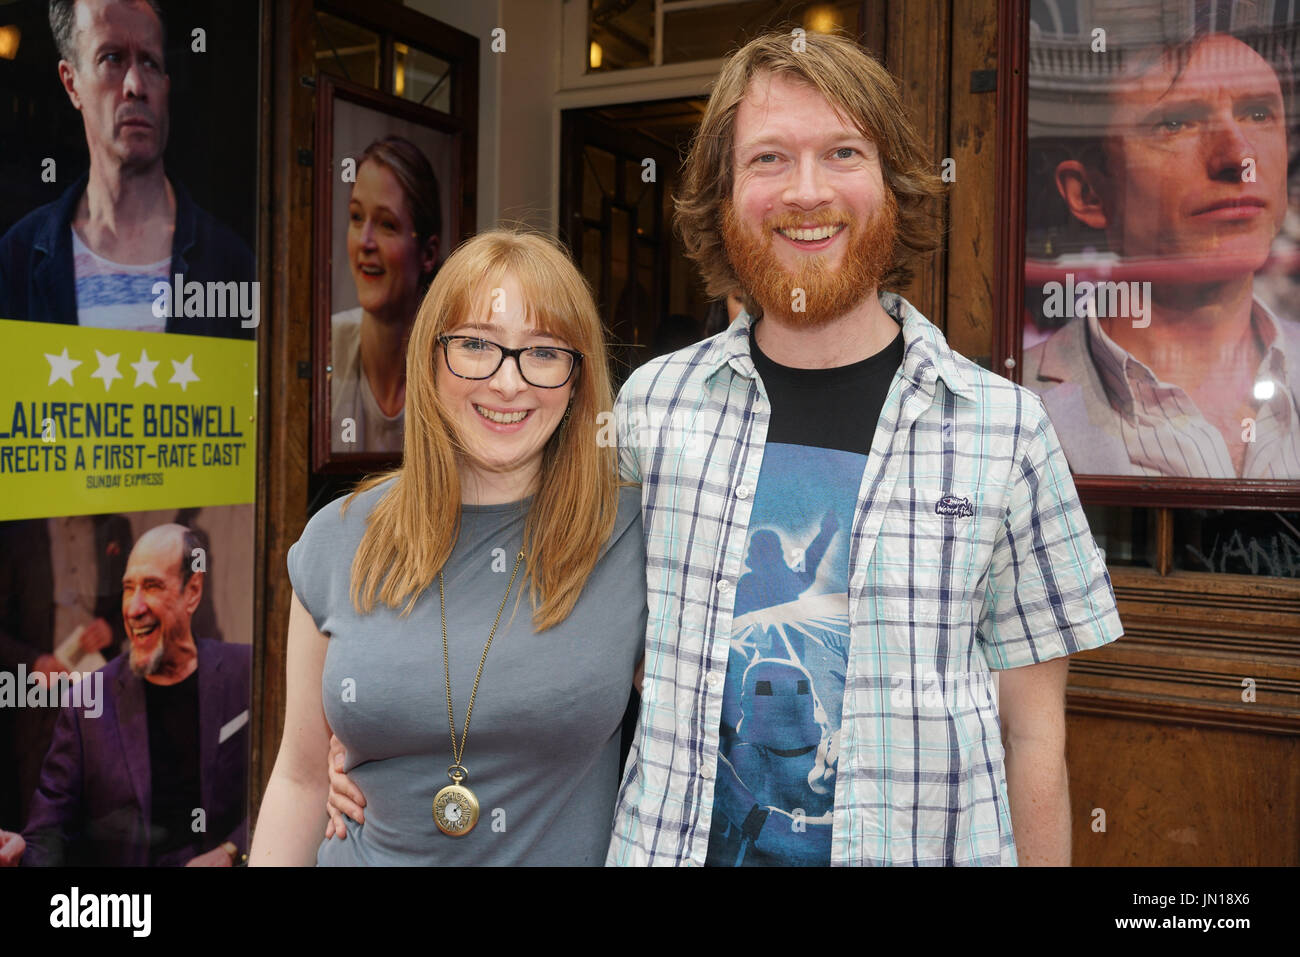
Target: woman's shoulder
629, 505
343, 520
345, 339
320, 562
346, 320
627, 524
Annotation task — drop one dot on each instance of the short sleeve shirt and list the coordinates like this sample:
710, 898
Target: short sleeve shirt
543, 746
969, 551
779, 743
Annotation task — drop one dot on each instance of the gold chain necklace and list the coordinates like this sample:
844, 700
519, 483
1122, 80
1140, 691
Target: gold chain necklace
455, 807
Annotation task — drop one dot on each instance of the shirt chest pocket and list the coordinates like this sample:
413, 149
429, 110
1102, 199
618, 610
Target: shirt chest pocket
929, 558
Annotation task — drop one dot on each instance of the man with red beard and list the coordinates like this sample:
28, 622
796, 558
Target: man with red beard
159, 775
848, 525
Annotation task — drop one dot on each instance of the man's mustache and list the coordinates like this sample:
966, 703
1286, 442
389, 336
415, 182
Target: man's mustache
136, 113
822, 217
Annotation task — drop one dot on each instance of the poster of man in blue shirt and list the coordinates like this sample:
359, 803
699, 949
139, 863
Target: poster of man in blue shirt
124, 245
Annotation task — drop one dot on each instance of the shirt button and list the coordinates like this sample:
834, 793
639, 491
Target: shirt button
742, 491
706, 772
712, 679
723, 584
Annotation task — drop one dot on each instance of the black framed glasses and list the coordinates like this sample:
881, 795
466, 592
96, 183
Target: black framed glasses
546, 367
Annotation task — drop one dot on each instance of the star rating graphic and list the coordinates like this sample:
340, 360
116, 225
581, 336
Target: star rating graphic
144, 370
107, 370
183, 373
62, 367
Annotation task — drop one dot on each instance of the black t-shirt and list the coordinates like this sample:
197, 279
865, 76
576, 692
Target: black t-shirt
836, 408
778, 744
173, 712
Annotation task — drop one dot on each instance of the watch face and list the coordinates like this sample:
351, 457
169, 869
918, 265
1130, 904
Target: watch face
455, 810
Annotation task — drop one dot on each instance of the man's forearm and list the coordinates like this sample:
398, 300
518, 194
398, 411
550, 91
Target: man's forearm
1038, 786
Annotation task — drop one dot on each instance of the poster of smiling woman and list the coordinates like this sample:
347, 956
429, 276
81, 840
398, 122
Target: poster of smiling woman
129, 311
394, 194
1162, 273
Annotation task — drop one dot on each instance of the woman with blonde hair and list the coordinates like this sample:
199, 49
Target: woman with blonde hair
482, 729
394, 230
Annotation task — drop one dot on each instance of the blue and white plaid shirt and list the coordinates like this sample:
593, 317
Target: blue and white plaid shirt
969, 552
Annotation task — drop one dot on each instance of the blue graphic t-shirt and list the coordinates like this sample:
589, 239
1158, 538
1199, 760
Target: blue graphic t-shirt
779, 743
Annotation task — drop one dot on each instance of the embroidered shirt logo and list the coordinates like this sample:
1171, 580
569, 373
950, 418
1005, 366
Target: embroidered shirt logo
954, 505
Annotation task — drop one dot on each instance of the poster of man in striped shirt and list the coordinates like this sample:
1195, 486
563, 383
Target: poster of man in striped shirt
1160, 304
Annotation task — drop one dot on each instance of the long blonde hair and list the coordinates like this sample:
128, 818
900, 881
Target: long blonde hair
412, 529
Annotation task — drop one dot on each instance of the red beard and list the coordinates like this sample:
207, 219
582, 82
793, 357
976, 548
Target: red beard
827, 294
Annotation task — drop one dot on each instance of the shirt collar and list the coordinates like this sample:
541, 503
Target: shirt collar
1112, 365
65, 210
1275, 344
926, 354
1115, 364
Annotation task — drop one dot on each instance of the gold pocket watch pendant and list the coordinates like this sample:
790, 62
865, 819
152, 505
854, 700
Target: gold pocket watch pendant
455, 807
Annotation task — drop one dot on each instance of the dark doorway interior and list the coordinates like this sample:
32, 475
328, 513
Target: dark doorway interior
619, 171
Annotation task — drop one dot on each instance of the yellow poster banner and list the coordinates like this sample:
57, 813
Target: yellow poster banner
110, 420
